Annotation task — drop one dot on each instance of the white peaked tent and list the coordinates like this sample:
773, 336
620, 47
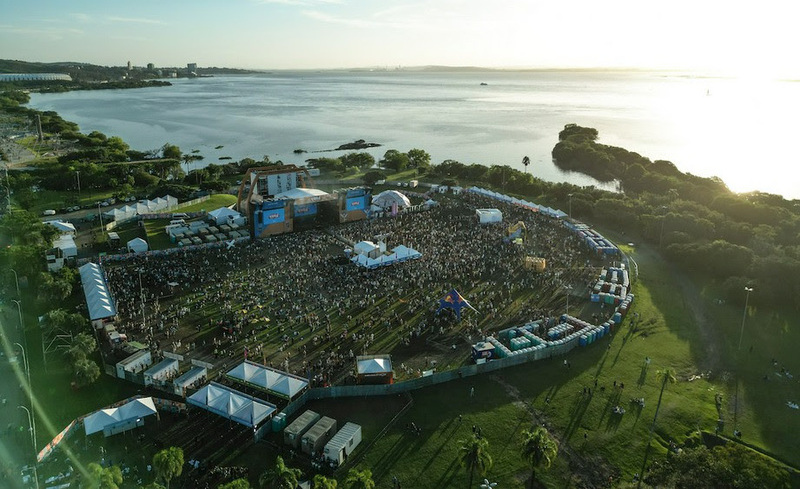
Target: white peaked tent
95, 289
232, 404
63, 227
385, 199
129, 413
137, 245
275, 381
223, 215
374, 364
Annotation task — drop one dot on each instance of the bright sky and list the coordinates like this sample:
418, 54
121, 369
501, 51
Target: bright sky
740, 37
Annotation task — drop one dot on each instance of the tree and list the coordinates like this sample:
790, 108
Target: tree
168, 464
104, 477
525, 162
86, 372
170, 151
359, 479
322, 482
83, 345
236, 484
539, 449
280, 477
474, 454
360, 160
418, 158
394, 160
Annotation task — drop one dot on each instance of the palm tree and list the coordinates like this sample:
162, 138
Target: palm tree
525, 162
322, 482
280, 477
168, 463
539, 449
359, 479
474, 454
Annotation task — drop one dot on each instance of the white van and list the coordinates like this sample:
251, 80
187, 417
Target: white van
49, 212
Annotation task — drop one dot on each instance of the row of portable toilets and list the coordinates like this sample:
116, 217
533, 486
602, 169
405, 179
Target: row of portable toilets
522, 340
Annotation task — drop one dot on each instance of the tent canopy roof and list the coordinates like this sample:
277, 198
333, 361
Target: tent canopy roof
232, 404
386, 198
95, 289
223, 212
104, 418
374, 364
276, 381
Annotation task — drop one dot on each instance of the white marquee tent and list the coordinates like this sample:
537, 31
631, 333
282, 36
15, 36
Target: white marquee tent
275, 381
129, 413
232, 404
387, 198
95, 289
137, 245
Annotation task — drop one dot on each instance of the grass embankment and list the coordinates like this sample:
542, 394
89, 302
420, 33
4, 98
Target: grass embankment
666, 332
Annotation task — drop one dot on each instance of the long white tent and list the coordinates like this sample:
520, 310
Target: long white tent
232, 404
120, 415
275, 381
96, 291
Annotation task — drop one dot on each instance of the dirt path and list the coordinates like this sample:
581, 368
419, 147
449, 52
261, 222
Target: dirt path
588, 471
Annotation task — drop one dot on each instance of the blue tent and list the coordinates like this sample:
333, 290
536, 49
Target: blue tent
453, 300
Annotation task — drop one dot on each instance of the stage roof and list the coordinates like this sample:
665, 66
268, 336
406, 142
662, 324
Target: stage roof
104, 418
305, 195
232, 404
280, 383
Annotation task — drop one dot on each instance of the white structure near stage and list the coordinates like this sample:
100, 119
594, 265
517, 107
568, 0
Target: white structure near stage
225, 215
489, 216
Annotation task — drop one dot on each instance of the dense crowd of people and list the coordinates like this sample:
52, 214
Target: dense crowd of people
295, 302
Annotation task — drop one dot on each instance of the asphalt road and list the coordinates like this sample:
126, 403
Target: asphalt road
16, 449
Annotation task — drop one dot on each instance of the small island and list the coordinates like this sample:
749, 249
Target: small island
358, 144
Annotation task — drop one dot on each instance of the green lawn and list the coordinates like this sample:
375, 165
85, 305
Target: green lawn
214, 202
667, 334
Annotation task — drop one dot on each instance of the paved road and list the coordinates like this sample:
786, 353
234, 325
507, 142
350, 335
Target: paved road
16, 449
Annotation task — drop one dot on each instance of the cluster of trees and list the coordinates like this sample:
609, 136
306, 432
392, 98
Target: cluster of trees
538, 448
724, 466
734, 239
415, 159
81, 346
348, 163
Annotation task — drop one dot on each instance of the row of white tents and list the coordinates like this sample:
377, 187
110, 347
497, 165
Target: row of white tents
156, 205
555, 213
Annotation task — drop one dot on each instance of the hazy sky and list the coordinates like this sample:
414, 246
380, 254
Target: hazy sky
741, 37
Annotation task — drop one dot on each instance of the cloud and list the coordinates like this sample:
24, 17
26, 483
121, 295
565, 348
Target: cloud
56, 33
302, 3
332, 19
81, 17
135, 20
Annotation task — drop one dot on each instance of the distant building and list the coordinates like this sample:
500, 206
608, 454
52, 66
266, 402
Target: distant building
151, 66
192, 68
8, 77
129, 66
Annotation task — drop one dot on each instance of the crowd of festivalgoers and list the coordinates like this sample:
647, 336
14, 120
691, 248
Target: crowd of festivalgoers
296, 303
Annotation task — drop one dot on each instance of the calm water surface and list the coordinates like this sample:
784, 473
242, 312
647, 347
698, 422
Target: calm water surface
740, 131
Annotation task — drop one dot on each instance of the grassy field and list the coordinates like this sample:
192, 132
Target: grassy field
511, 400
214, 202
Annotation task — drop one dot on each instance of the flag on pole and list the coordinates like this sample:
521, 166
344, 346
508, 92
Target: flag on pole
455, 301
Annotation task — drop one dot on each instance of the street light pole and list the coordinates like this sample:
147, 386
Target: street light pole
19, 310
25, 364
744, 315
570, 205
32, 429
16, 281
569, 289
78, 173
663, 220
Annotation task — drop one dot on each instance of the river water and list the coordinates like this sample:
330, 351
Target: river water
742, 131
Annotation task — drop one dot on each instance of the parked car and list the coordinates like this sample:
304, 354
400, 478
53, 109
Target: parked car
49, 212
